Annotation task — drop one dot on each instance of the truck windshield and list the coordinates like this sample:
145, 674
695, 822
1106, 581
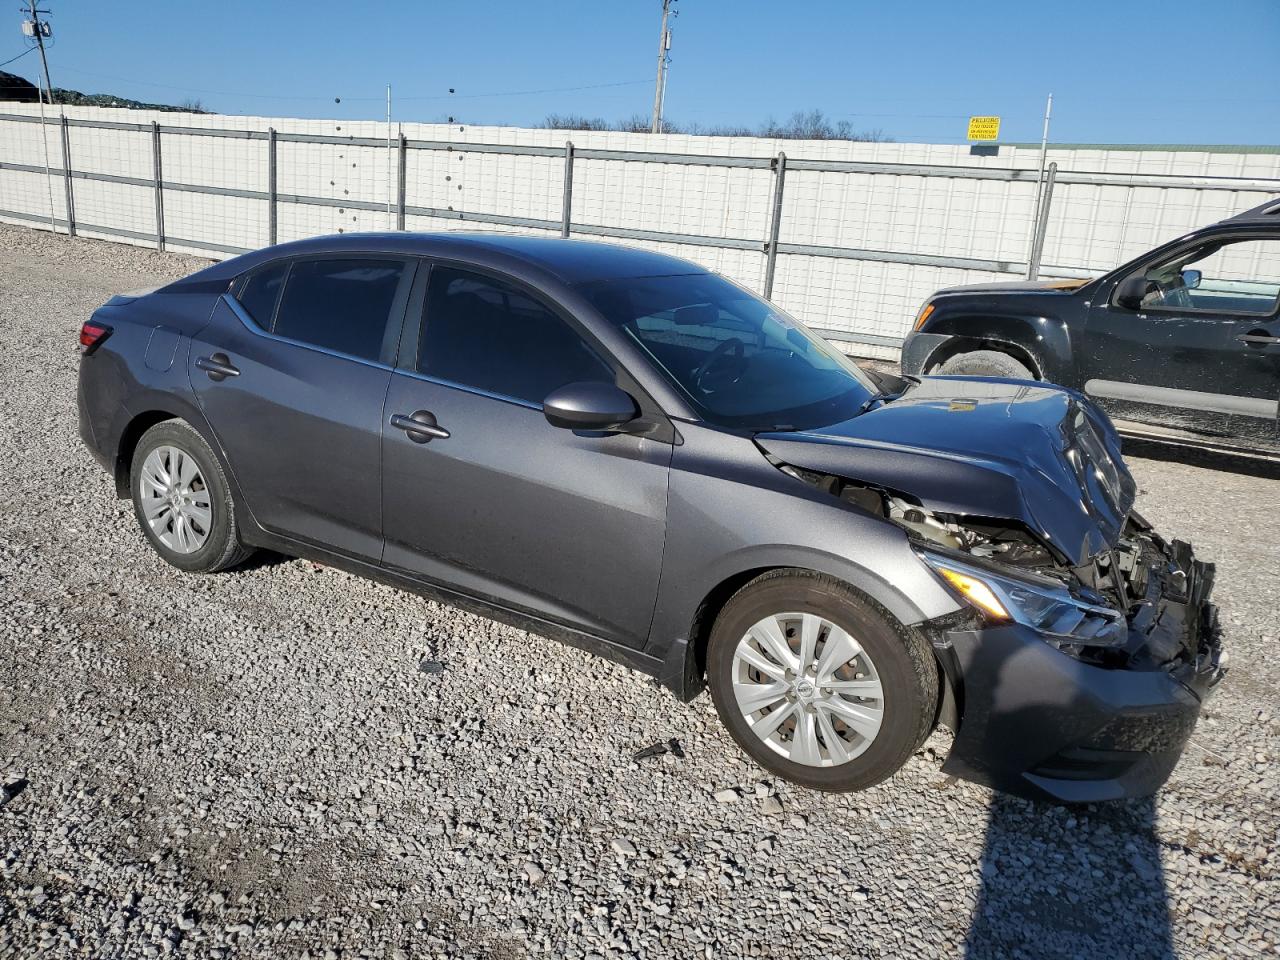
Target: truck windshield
741, 361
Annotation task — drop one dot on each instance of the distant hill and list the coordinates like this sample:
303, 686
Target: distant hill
13, 87
74, 98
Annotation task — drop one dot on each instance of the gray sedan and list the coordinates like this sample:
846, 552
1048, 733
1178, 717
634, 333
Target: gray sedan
632, 454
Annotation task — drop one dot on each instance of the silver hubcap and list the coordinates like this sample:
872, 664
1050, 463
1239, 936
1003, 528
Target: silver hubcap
175, 500
808, 689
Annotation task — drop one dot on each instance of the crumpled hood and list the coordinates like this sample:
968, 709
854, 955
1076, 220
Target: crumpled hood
995, 449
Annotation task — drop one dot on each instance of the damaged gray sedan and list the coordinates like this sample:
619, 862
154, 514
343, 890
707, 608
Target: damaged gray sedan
636, 456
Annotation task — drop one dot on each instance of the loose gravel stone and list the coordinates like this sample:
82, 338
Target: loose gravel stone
254, 764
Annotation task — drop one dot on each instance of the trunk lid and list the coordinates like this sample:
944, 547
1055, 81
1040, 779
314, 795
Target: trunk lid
982, 448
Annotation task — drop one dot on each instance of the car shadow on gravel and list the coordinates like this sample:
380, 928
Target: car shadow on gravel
260, 559
1068, 883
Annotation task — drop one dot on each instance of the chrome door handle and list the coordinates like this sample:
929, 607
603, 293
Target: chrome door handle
1257, 339
218, 367
421, 426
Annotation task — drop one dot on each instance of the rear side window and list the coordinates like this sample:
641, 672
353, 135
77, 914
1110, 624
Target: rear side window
261, 292
341, 305
483, 333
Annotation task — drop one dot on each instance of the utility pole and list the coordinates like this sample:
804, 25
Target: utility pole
660, 87
1044, 151
38, 28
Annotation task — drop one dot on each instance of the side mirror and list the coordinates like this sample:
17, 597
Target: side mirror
1191, 278
1131, 290
590, 405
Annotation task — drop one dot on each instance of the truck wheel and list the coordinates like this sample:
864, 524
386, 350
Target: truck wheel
818, 683
985, 363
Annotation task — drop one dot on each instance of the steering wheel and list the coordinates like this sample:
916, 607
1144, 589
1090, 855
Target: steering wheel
719, 353
1170, 291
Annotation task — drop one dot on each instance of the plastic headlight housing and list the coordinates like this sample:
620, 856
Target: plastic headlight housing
1049, 609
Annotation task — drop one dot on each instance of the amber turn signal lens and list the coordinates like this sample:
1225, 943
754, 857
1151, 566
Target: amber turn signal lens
976, 592
924, 315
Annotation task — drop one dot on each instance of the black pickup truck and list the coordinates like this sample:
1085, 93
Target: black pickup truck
1180, 345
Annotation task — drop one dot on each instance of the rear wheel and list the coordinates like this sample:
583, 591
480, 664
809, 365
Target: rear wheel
818, 683
182, 500
985, 363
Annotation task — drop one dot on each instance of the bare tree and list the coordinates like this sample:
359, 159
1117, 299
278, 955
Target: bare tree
803, 125
573, 121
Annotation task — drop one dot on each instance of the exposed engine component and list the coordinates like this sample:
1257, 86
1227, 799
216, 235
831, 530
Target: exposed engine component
1137, 579
995, 540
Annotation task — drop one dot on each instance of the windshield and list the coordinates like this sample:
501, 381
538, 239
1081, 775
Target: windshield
742, 362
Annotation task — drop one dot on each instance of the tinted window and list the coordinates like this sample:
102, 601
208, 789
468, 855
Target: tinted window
1232, 276
742, 361
261, 292
486, 334
340, 305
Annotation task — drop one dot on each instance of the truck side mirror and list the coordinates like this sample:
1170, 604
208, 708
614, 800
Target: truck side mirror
1131, 290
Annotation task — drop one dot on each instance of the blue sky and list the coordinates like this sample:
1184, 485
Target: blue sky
1124, 71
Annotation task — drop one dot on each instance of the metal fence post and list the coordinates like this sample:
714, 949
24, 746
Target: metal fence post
272, 224
403, 176
1042, 224
775, 223
66, 178
566, 204
159, 181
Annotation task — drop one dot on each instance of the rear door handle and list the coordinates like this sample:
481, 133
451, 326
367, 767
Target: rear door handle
1257, 339
421, 426
218, 367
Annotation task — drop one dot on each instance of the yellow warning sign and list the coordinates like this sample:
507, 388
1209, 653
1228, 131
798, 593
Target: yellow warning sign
984, 128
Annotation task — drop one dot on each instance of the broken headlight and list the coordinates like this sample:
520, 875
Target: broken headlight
1044, 606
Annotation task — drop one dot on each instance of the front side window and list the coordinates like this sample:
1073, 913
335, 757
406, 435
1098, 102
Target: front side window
1223, 276
741, 361
341, 305
488, 335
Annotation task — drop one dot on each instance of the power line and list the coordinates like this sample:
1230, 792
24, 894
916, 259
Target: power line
285, 96
18, 57
524, 93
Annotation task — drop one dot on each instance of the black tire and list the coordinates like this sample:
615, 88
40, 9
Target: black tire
902, 657
985, 363
222, 547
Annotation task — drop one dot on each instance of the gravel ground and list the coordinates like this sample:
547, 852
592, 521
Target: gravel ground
286, 761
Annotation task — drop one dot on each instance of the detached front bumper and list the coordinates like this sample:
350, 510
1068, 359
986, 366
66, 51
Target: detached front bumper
1036, 722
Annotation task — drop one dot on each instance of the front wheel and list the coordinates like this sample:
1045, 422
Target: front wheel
182, 500
818, 683
985, 363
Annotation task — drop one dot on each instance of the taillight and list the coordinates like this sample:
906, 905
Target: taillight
91, 336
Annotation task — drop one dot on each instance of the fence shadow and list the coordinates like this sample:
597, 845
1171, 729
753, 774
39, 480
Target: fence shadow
1208, 459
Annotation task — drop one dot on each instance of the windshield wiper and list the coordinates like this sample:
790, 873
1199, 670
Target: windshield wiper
877, 397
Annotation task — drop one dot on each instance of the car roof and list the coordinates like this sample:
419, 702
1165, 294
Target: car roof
570, 261
1268, 213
